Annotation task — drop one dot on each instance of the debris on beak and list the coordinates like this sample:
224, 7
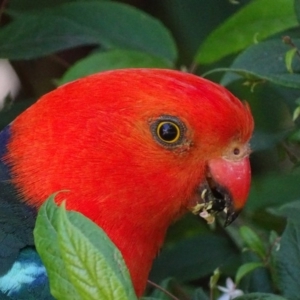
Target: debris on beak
214, 199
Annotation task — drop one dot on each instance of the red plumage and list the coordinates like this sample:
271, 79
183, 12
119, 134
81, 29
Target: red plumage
93, 137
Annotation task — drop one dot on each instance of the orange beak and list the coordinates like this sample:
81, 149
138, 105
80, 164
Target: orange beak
231, 179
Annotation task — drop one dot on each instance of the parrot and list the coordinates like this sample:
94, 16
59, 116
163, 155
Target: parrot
136, 149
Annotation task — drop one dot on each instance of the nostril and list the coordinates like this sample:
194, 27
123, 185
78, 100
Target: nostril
236, 151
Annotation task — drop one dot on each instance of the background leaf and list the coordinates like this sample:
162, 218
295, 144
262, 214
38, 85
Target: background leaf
115, 59
288, 260
205, 254
90, 23
93, 266
264, 61
245, 269
256, 21
253, 241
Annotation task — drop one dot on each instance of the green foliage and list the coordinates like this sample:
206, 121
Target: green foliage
245, 269
253, 241
206, 253
265, 61
111, 25
115, 59
249, 46
81, 261
254, 22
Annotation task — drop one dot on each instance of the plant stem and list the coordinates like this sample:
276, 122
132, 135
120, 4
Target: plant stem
163, 290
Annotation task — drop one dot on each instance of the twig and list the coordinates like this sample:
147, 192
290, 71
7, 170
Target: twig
292, 157
211, 294
269, 253
60, 61
193, 67
288, 40
163, 290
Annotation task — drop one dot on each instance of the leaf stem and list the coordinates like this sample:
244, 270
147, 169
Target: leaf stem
193, 67
60, 61
288, 40
162, 289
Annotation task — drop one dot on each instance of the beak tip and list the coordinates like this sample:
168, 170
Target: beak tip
230, 217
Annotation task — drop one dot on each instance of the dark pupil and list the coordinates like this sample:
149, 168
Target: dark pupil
168, 132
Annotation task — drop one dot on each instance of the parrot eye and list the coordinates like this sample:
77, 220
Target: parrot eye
168, 130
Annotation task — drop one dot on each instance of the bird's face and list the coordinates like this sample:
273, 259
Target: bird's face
155, 142
192, 142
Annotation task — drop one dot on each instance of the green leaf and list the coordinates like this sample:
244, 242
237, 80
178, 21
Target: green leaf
296, 114
288, 260
115, 59
93, 267
274, 242
214, 279
289, 56
256, 21
260, 296
289, 210
46, 241
88, 269
19, 7
297, 9
263, 62
253, 241
273, 189
109, 24
206, 252
246, 269
199, 294
295, 134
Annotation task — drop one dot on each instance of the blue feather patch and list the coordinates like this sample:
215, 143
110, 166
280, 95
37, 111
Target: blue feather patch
26, 278
22, 274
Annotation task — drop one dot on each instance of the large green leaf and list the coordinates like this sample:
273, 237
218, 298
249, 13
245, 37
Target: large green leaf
108, 24
273, 189
297, 9
19, 7
46, 241
288, 260
256, 21
264, 62
193, 258
115, 59
289, 210
81, 261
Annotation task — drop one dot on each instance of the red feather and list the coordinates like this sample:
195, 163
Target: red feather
92, 137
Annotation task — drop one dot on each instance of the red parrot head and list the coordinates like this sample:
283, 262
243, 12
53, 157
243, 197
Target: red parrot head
136, 149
